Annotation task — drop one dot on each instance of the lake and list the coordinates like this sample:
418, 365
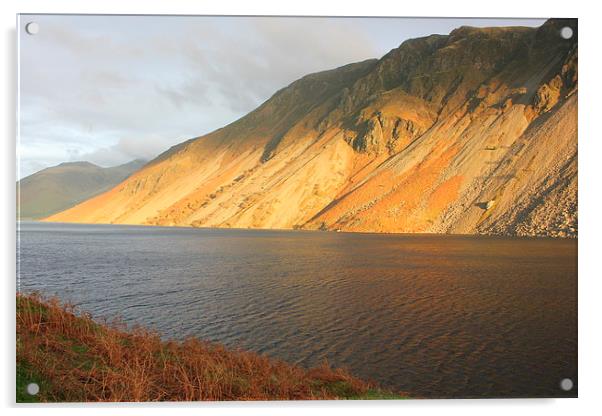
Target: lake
432, 315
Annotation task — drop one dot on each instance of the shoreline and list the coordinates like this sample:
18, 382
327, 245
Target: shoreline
304, 230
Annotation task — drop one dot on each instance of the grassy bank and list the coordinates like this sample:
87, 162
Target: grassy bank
74, 358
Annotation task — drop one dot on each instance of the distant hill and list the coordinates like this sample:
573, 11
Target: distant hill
474, 132
55, 189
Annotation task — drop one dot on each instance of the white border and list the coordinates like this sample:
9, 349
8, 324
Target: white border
590, 154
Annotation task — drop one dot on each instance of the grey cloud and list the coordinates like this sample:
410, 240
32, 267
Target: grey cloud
247, 70
86, 42
193, 91
106, 79
125, 150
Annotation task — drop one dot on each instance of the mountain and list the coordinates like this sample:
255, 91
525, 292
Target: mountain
471, 132
60, 187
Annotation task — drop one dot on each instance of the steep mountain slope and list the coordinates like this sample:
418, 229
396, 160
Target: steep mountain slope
473, 132
57, 188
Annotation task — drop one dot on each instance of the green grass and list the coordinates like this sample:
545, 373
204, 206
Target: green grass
25, 376
376, 394
344, 389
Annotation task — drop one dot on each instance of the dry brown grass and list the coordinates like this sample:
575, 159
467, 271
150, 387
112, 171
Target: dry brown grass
75, 358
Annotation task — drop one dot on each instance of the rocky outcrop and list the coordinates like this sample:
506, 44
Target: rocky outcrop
416, 141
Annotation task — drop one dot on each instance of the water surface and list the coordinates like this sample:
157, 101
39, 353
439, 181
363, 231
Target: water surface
434, 315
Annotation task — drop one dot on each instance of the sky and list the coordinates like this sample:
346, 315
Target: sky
110, 89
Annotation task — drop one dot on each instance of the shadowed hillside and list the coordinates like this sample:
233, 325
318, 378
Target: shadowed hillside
471, 132
60, 187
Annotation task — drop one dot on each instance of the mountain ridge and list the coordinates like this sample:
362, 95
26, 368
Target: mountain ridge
446, 133
60, 187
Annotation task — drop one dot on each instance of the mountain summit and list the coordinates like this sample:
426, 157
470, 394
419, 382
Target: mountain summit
57, 188
471, 132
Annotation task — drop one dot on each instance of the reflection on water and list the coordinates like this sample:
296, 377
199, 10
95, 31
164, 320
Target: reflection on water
437, 316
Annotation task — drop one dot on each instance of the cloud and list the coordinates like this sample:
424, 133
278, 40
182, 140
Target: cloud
125, 150
192, 91
237, 69
112, 88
